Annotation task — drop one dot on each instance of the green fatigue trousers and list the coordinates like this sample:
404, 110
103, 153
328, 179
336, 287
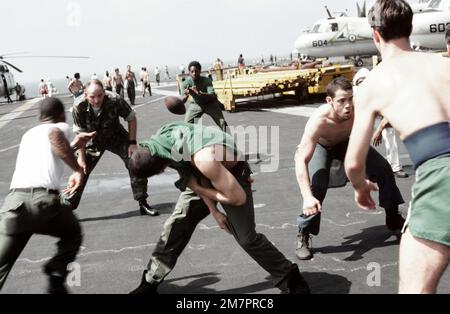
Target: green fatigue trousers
37, 211
93, 156
212, 109
190, 210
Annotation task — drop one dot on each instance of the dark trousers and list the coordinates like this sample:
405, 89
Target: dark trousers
26, 213
212, 109
190, 210
138, 185
377, 170
131, 92
146, 85
119, 90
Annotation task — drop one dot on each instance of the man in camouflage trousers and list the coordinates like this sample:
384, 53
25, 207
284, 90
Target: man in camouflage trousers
100, 112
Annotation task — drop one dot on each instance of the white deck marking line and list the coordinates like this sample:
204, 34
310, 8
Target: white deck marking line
17, 112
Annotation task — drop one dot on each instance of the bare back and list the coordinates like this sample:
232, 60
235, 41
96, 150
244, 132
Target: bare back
75, 86
216, 153
214, 162
411, 90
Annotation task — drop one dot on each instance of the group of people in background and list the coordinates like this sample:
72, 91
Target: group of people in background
120, 83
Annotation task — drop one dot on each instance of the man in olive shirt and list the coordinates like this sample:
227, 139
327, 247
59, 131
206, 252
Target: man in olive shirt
204, 100
211, 172
100, 112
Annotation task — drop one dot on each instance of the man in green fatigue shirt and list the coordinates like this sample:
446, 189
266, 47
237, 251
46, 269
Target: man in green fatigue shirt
211, 171
203, 98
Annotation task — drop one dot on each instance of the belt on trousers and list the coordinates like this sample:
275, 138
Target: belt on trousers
31, 190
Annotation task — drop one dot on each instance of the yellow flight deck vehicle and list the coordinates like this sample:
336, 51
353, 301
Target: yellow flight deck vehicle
252, 82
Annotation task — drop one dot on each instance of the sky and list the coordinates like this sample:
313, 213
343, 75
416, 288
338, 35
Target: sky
114, 33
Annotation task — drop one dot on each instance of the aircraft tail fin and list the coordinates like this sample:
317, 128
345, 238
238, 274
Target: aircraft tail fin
361, 10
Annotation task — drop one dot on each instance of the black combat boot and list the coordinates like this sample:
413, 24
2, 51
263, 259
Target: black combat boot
56, 282
146, 209
145, 287
294, 283
394, 222
56, 285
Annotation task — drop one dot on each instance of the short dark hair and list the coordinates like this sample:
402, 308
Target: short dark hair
77, 76
195, 64
447, 35
391, 18
50, 108
143, 164
337, 84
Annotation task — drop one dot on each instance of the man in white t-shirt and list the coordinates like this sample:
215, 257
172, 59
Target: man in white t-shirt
33, 203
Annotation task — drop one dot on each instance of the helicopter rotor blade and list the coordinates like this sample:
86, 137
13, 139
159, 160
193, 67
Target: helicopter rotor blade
60, 57
12, 53
12, 66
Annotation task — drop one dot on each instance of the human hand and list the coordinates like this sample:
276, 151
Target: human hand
377, 139
222, 221
311, 206
193, 91
74, 183
82, 138
362, 195
131, 149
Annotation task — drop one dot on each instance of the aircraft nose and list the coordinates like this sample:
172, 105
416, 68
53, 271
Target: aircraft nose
300, 42
302, 45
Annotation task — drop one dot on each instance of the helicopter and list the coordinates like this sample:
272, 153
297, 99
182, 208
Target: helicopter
8, 85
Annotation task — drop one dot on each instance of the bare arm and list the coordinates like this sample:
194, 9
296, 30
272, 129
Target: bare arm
185, 97
225, 189
376, 138
61, 148
80, 140
221, 219
303, 155
357, 150
70, 86
132, 127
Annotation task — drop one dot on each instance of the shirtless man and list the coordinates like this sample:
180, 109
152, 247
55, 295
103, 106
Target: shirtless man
118, 82
145, 79
75, 86
131, 84
43, 90
415, 101
325, 139
211, 172
107, 82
